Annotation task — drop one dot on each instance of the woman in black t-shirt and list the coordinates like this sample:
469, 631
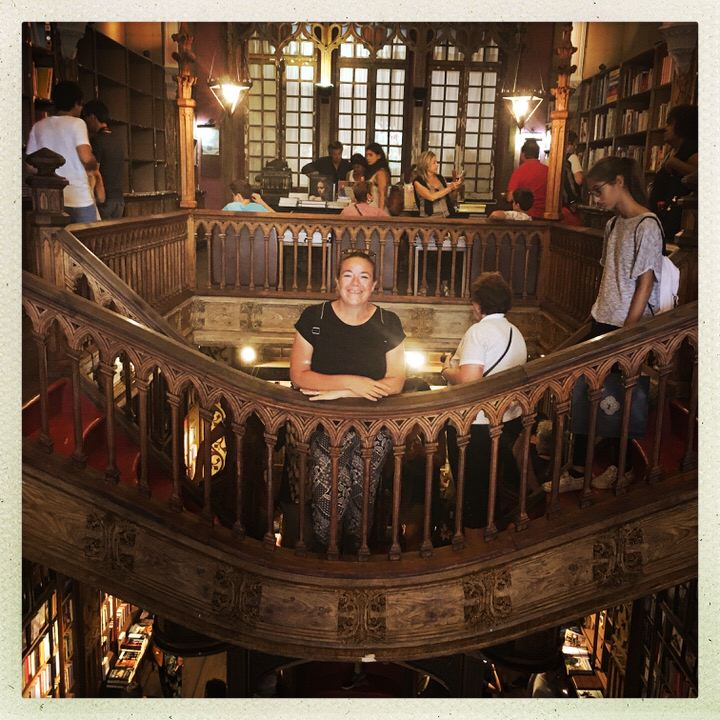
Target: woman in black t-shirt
347, 348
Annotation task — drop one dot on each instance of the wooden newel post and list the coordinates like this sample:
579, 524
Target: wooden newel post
47, 216
558, 117
185, 58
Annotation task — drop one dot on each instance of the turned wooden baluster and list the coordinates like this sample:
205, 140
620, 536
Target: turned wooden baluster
302, 449
323, 277
251, 238
483, 249
281, 263
396, 252
127, 381
238, 527
439, 243
206, 417
453, 264
142, 388
269, 537
498, 247
308, 284
561, 411
495, 433
655, 471
380, 290
366, 452
238, 255
210, 250
175, 501
467, 266
513, 254
398, 454
522, 519
221, 238
425, 246
526, 267
629, 384
332, 549
594, 396
44, 439
79, 457
458, 541
426, 548
107, 372
266, 247
413, 238
295, 258
689, 461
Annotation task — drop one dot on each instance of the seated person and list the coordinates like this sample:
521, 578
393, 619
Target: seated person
489, 346
332, 165
358, 168
522, 201
361, 206
240, 190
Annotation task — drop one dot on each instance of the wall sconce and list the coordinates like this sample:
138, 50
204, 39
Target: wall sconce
229, 89
324, 92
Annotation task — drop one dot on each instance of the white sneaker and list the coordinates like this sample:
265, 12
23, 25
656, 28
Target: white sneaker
568, 483
605, 479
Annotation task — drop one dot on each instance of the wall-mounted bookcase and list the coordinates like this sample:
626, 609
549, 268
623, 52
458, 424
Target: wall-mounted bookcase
622, 110
133, 88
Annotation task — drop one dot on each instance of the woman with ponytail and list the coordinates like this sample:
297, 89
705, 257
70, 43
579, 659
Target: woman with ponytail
377, 173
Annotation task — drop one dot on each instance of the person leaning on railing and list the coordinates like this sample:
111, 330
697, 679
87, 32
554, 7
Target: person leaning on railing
489, 346
432, 193
347, 348
244, 200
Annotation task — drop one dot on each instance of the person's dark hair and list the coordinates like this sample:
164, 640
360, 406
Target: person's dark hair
66, 95
530, 149
609, 168
215, 687
96, 108
415, 384
377, 148
685, 121
334, 145
240, 187
572, 137
348, 254
358, 159
524, 198
361, 190
490, 291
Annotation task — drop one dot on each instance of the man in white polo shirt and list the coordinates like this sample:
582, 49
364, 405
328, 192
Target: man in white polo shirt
66, 134
489, 346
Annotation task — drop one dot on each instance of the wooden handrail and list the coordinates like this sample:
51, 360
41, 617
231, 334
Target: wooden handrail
242, 395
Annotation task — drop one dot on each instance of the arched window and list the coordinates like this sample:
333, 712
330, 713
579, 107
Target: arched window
460, 115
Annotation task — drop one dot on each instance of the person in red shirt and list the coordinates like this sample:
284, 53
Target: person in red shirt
530, 174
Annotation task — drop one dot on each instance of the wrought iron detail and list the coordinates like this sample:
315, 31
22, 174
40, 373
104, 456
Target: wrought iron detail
110, 541
487, 599
362, 615
619, 556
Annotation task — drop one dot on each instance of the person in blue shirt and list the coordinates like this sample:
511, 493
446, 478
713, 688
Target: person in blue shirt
240, 190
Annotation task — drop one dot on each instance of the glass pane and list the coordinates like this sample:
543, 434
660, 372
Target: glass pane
489, 94
268, 118
306, 104
471, 140
306, 120
291, 135
306, 89
293, 104
434, 139
307, 48
485, 156
269, 149
436, 108
269, 72
360, 107
452, 93
270, 133
255, 148
383, 75
292, 88
471, 125
475, 78
486, 141
346, 50
398, 92
447, 168
450, 124
473, 94
395, 153
396, 107
382, 107
345, 137
345, 106
306, 150
344, 121
346, 75
381, 122
382, 91
451, 109
486, 126
381, 137
488, 109
473, 110
345, 90
306, 135
270, 102
292, 72
435, 124
470, 156
361, 75
491, 78
306, 72
255, 102
360, 91
359, 137
398, 76
255, 133
255, 118
453, 77
396, 122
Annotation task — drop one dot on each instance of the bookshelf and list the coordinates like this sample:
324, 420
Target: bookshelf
48, 634
133, 88
622, 110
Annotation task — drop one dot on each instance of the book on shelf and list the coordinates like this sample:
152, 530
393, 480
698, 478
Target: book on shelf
42, 82
666, 70
578, 664
663, 109
613, 84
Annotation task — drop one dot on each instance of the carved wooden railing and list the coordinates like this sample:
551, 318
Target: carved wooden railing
260, 253
546, 382
154, 255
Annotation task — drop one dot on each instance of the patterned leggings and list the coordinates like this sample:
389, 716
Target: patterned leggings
351, 468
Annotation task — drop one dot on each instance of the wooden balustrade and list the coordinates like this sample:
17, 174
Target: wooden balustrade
650, 346
283, 254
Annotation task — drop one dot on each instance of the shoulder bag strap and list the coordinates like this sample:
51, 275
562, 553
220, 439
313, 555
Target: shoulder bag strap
495, 364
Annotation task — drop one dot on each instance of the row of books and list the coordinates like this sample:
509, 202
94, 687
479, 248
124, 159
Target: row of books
636, 152
657, 156
613, 85
604, 124
636, 82
634, 121
42, 685
132, 648
597, 153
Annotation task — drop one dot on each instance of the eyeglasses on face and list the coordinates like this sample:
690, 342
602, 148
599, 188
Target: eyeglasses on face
596, 191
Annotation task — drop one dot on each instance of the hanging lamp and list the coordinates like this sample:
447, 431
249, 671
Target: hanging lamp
521, 104
229, 89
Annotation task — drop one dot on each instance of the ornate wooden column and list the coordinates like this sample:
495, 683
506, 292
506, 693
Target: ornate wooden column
558, 117
185, 58
47, 216
681, 39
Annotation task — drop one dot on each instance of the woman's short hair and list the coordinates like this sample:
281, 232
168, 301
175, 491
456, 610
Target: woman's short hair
684, 119
356, 253
490, 291
240, 187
